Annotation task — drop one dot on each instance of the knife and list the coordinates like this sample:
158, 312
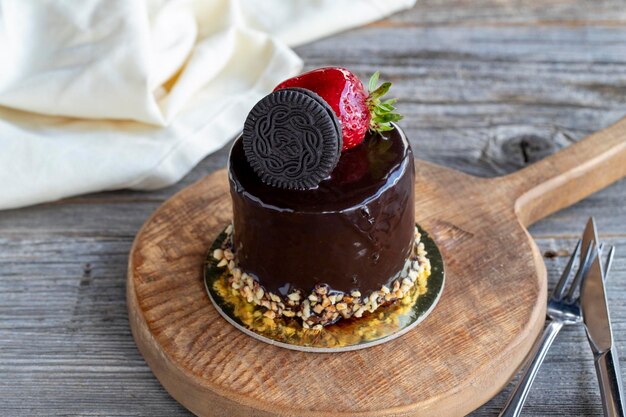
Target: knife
597, 323
590, 235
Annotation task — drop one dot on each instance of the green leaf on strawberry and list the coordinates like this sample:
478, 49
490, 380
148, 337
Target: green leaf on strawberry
382, 113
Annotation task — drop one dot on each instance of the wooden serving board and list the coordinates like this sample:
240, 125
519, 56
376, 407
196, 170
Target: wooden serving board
491, 310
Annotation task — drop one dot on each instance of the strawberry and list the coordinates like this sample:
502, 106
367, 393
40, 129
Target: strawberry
356, 109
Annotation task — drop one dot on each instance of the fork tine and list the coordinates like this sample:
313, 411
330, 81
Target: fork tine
582, 271
609, 262
557, 293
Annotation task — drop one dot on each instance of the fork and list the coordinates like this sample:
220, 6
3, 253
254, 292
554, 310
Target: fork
563, 309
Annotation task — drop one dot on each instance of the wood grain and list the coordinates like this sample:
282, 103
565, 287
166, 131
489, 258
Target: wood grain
466, 353
525, 79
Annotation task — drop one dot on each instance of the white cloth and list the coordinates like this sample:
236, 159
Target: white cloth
106, 94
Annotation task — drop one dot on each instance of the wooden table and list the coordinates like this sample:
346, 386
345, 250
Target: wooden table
486, 89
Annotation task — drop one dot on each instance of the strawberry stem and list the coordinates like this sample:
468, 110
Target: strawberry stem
382, 113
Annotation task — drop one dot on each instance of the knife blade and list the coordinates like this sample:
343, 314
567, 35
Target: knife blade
590, 236
595, 309
596, 317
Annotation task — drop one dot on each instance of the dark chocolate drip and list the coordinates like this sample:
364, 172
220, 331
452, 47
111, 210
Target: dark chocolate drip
353, 231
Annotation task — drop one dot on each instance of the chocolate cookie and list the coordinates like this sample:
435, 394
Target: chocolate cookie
292, 139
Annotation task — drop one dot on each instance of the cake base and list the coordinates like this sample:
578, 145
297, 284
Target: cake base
383, 325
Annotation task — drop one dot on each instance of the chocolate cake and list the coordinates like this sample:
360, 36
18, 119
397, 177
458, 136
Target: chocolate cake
326, 249
349, 233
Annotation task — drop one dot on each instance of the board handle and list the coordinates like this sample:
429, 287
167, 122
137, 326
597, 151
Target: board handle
569, 175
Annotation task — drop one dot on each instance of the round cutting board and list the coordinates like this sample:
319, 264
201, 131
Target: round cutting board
491, 310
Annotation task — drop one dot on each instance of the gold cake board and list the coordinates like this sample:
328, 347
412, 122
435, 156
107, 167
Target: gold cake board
380, 326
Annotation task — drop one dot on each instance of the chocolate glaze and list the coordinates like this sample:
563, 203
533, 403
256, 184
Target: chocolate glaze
354, 231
